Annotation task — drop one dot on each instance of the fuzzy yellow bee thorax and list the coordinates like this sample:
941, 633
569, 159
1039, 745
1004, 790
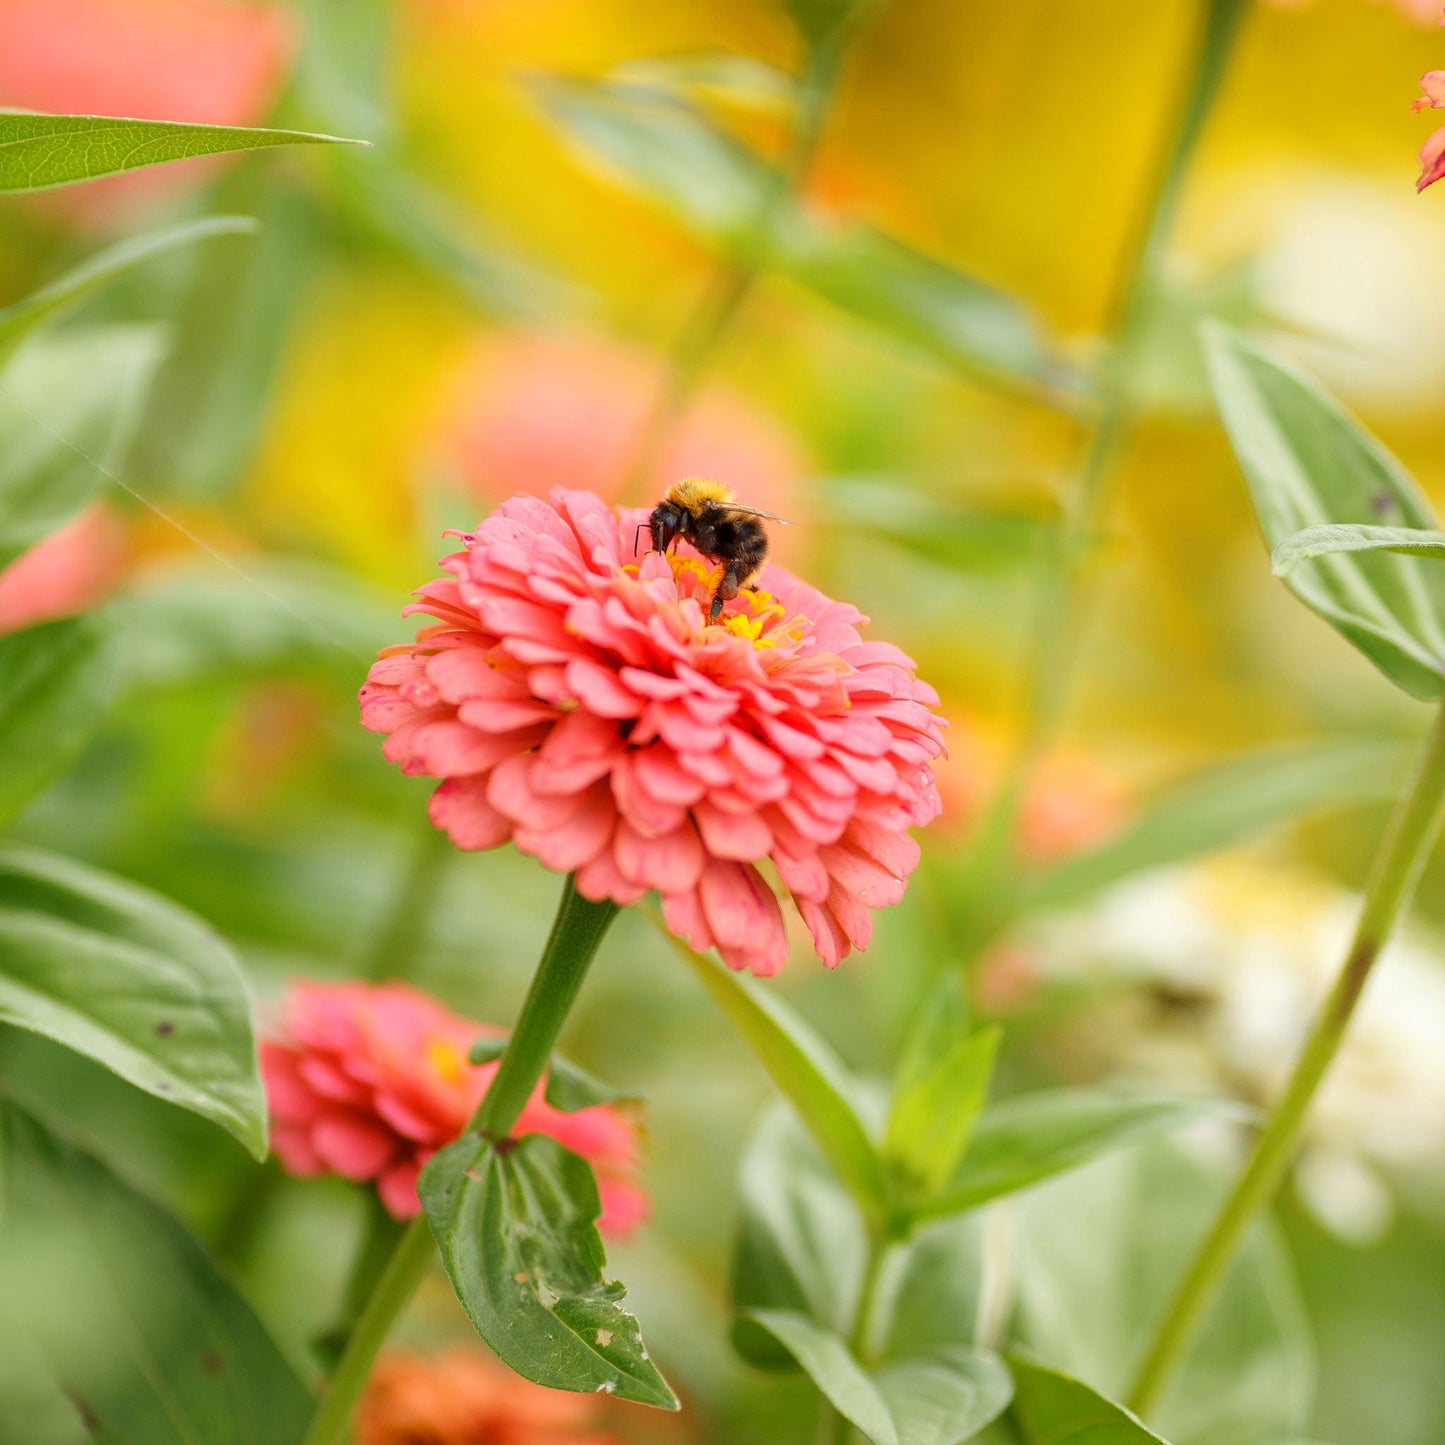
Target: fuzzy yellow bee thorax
695, 491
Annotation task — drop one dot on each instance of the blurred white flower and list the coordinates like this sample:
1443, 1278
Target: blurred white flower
1230, 961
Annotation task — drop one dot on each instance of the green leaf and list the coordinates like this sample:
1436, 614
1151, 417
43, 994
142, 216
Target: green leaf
1310, 463
132, 981
68, 409
1023, 1140
569, 1087
38, 152
1323, 541
516, 1226
725, 75
825, 1356
100, 270
1098, 1254
946, 1396
665, 147
805, 1069
1053, 1409
949, 316
55, 683
197, 620
801, 1242
136, 1326
1225, 804
825, 22
934, 1109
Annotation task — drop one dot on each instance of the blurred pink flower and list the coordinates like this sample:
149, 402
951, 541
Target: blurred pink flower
368, 1081
530, 413
67, 572
1432, 159
215, 62
464, 1397
577, 703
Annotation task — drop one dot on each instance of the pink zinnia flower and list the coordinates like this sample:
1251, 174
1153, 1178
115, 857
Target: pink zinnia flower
463, 1397
368, 1081
67, 572
578, 704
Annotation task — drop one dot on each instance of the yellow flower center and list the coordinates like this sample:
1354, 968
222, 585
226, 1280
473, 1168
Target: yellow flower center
447, 1061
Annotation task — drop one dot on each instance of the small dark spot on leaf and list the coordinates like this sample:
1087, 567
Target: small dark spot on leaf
163, 1086
165, 1028
1382, 503
212, 1363
88, 1418
503, 1147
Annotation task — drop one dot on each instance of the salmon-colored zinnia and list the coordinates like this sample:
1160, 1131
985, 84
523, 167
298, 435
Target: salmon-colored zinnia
577, 702
368, 1081
463, 1397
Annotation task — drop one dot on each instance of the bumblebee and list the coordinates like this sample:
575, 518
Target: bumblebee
722, 530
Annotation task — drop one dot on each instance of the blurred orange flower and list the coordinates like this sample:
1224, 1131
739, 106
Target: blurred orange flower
193, 60
67, 572
463, 1397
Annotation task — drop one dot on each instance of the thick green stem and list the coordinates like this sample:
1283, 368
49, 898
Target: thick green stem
1396, 871
1062, 606
576, 933
836, 1428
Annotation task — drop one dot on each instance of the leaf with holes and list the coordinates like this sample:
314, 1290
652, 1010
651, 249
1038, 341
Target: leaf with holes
39, 152
128, 1324
131, 980
1310, 464
516, 1226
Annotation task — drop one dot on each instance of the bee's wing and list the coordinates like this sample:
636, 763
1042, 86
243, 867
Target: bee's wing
758, 512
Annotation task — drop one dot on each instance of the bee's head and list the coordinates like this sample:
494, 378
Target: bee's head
665, 523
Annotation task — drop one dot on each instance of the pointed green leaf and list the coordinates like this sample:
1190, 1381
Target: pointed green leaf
1228, 803
1053, 1409
55, 683
132, 981
1310, 463
516, 1226
38, 152
1021, 1141
953, 318
805, 1069
824, 1355
100, 270
934, 1110
69, 405
135, 1325
664, 146
1323, 541
568, 1088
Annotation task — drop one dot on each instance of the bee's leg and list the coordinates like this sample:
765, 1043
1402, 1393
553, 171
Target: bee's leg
727, 589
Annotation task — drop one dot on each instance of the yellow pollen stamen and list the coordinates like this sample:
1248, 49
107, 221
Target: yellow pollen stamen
446, 1061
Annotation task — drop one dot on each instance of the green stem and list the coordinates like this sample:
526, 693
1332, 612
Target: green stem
1062, 605
395, 943
1396, 870
838, 1429
731, 287
576, 933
